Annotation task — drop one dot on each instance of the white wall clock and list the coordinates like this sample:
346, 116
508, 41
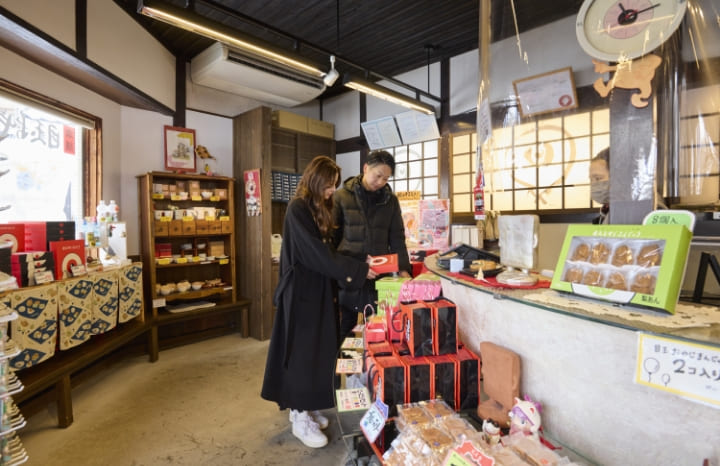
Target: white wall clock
619, 31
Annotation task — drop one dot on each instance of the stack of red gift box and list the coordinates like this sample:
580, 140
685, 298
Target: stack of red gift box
42, 247
427, 362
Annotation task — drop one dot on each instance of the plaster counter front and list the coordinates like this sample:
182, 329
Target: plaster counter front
579, 359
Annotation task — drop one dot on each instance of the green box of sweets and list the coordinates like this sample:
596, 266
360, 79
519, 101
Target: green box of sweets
388, 290
641, 265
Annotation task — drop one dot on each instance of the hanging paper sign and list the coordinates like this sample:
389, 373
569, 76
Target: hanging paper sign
691, 370
252, 192
373, 422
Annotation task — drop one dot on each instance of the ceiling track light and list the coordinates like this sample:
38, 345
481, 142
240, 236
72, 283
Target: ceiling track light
190, 21
386, 94
331, 75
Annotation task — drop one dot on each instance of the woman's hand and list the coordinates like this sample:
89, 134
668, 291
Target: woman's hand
371, 275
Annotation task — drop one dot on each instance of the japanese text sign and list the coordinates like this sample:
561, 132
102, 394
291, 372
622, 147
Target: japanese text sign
691, 370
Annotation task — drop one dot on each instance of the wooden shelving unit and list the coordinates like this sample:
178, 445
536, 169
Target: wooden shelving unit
206, 247
258, 144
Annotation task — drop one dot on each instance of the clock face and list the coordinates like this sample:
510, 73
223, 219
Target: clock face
618, 31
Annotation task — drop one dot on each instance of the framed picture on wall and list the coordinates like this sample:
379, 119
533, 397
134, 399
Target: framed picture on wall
179, 149
547, 92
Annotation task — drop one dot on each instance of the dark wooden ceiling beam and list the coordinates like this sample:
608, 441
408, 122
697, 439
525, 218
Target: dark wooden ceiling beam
34, 45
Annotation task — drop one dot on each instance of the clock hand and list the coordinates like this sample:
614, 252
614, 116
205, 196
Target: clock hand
622, 7
629, 16
649, 8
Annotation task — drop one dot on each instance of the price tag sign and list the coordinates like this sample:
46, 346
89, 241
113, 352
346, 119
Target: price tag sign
373, 422
196, 198
45, 276
468, 454
78, 270
158, 196
691, 370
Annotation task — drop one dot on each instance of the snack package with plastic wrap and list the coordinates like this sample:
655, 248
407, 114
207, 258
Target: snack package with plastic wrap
438, 408
412, 415
532, 451
635, 264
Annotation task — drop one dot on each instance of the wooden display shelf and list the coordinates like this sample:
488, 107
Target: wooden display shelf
194, 263
240, 307
57, 371
195, 294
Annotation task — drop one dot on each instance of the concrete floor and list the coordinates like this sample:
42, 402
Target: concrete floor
197, 405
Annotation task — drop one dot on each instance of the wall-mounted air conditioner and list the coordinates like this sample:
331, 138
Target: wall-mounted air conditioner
223, 68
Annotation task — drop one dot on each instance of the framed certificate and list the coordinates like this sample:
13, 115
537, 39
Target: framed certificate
547, 92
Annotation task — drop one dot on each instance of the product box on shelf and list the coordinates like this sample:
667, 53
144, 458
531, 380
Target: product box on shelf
632, 264
386, 381
39, 234
388, 290
25, 265
418, 376
418, 327
15, 233
444, 316
468, 381
444, 378
67, 254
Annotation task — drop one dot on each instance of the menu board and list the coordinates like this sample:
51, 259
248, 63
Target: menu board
382, 133
417, 127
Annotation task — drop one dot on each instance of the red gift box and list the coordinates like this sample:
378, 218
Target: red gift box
384, 264
418, 327
418, 376
444, 378
14, 232
386, 381
444, 315
468, 381
67, 254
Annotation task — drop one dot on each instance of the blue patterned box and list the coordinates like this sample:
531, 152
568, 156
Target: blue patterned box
75, 311
105, 301
35, 330
131, 292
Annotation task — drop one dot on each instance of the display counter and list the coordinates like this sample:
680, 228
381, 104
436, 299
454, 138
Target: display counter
579, 358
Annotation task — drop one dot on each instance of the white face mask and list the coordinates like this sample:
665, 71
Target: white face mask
600, 191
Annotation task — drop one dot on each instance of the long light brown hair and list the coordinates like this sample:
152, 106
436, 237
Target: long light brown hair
321, 173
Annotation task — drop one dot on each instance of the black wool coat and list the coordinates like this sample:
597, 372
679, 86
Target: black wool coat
300, 366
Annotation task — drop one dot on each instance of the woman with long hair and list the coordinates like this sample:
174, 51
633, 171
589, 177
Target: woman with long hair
301, 358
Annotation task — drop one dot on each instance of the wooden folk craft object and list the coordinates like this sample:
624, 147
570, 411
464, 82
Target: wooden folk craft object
632, 74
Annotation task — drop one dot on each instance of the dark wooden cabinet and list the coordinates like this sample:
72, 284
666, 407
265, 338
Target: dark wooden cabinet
259, 145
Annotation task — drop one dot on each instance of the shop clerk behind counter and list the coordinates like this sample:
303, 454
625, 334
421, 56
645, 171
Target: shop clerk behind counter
600, 183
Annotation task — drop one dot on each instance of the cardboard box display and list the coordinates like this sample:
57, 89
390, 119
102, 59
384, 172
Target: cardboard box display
632, 264
320, 128
289, 120
216, 248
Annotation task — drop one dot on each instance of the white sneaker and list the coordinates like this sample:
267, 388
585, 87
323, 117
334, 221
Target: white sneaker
316, 416
307, 430
319, 419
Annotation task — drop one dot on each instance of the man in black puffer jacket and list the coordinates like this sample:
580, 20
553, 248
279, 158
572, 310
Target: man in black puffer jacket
369, 223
